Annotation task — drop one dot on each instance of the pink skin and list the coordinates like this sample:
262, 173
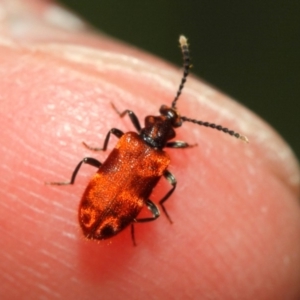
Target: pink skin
236, 231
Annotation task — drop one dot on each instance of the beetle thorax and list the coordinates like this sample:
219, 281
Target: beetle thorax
157, 131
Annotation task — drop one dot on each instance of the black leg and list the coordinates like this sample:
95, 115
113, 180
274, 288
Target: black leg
170, 177
154, 210
132, 235
179, 144
155, 214
132, 116
87, 160
118, 133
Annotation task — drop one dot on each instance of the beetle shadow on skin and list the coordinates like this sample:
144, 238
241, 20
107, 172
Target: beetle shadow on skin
108, 259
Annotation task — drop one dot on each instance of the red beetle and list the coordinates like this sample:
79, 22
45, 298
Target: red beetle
124, 182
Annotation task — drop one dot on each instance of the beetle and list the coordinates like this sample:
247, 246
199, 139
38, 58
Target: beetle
124, 181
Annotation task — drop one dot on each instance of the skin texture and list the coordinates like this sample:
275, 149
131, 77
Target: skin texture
236, 231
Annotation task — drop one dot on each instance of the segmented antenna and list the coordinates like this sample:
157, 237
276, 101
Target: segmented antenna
186, 66
218, 127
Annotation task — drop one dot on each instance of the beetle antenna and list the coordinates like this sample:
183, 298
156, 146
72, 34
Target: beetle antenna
218, 127
186, 66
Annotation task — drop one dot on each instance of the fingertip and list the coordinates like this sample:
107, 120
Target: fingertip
234, 210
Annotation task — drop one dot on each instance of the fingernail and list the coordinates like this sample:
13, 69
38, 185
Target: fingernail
62, 18
22, 19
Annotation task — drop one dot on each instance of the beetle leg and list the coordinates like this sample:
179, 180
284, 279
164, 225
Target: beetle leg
155, 214
171, 178
117, 132
179, 144
154, 210
132, 116
132, 235
87, 160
